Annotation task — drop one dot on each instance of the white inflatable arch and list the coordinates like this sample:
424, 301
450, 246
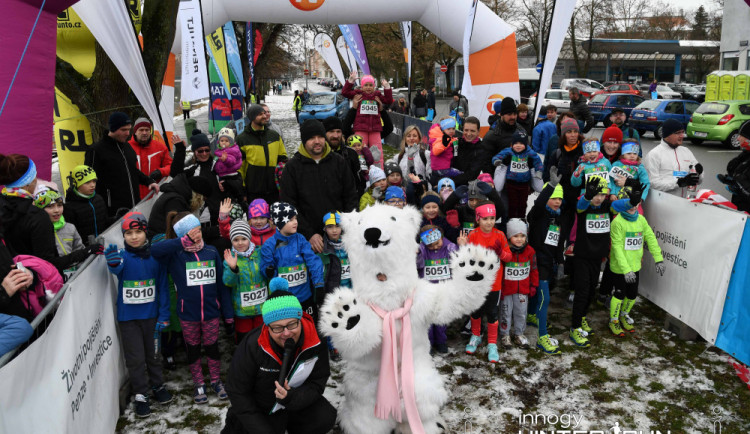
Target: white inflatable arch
493, 65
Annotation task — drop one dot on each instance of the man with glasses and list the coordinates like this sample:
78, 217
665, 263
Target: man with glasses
259, 403
269, 124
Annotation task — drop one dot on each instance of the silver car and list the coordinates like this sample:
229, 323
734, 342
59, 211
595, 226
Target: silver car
557, 97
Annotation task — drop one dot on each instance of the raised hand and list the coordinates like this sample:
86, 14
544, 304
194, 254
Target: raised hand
230, 258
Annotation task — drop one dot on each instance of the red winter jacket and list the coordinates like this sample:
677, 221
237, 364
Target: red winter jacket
526, 258
496, 242
257, 237
367, 122
151, 157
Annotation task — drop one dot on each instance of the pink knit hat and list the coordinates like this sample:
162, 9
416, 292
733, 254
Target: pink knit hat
485, 177
367, 79
259, 208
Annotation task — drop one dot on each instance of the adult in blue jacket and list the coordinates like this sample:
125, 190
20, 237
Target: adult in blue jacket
544, 131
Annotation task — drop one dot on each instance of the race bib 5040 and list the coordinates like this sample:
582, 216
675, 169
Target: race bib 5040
200, 273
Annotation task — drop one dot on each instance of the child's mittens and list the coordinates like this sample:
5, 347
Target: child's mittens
270, 272
375, 153
377, 193
114, 258
630, 277
505, 161
452, 218
660, 268
484, 188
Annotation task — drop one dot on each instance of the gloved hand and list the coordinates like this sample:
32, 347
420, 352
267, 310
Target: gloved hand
635, 197
592, 189
377, 193
462, 191
660, 268
270, 271
155, 175
699, 168
161, 325
632, 182
554, 177
187, 241
532, 291
725, 179
690, 179
630, 277
484, 188
229, 326
447, 140
181, 144
95, 249
452, 218
114, 258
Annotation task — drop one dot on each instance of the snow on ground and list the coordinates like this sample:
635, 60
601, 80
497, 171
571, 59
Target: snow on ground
648, 380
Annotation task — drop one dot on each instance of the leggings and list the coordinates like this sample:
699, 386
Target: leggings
518, 196
206, 333
372, 138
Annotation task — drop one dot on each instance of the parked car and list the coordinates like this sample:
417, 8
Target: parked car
690, 92
558, 98
719, 121
601, 105
324, 104
651, 114
585, 85
620, 88
644, 87
665, 92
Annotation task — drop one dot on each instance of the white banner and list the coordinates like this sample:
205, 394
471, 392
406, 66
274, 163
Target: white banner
324, 46
346, 54
109, 22
466, 88
194, 81
406, 41
560, 22
486, 95
68, 380
698, 261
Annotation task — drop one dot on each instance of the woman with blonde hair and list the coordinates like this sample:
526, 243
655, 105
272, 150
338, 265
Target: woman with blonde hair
414, 159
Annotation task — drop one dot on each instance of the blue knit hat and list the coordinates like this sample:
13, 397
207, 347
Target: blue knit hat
447, 123
446, 181
394, 192
185, 225
279, 306
278, 284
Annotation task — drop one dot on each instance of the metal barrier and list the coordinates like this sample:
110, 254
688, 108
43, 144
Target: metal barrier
47, 314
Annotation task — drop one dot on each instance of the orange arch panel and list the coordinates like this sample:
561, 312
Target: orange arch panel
495, 64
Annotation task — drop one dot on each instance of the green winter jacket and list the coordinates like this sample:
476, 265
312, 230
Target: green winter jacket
627, 244
248, 285
366, 199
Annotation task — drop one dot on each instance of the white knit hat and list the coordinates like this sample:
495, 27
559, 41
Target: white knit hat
516, 226
228, 133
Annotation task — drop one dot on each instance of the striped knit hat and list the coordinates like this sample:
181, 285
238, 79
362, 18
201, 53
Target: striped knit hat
239, 228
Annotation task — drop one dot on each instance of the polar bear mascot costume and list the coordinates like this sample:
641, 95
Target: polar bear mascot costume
380, 326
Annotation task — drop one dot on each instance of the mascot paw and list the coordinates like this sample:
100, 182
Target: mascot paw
347, 321
474, 264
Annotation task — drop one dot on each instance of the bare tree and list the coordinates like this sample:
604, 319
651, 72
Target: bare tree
536, 20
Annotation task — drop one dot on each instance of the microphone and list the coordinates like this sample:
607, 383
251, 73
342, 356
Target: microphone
288, 350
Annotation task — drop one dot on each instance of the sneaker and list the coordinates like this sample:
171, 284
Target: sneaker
219, 389
626, 322
532, 320
506, 341
142, 407
492, 354
199, 397
521, 341
585, 326
474, 342
162, 395
334, 355
466, 330
441, 348
547, 344
578, 336
615, 327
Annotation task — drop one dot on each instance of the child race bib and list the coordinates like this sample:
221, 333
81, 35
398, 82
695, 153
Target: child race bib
598, 172
69, 272
200, 273
346, 269
437, 269
633, 240
368, 108
254, 296
296, 275
517, 270
468, 226
553, 236
597, 223
619, 172
519, 165
138, 291
679, 173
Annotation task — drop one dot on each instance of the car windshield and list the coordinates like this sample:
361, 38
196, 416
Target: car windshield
598, 99
712, 108
595, 84
321, 99
663, 89
649, 104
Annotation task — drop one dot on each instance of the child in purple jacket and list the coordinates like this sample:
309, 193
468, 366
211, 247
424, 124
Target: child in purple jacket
228, 163
433, 264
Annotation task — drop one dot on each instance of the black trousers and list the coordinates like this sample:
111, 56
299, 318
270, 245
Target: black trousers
489, 308
584, 284
624, 289
140, 354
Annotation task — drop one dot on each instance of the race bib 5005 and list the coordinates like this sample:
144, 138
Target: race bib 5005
633, 240
296, 275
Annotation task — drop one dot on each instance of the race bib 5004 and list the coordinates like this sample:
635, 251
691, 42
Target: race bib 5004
633, 240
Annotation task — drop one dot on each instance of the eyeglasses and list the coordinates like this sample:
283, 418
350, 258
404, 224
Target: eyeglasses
202, 151
280, 328
395, 202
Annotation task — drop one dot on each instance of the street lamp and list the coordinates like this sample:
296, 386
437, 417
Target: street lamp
655, 55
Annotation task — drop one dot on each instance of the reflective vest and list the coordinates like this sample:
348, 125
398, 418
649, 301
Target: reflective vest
186, 105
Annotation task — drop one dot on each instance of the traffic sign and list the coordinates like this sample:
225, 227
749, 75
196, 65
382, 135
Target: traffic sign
539, 68
443, 68
307, 72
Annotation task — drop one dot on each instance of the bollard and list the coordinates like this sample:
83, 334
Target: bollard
190, 125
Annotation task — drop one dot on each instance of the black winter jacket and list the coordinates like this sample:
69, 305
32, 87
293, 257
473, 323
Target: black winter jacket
176, 196
495, 141
739, 169
581, 109
315, 188
468, 160
204, 169
540, 219
255, 366
28, 230
88, 215
352, 158
566, 163
117, 173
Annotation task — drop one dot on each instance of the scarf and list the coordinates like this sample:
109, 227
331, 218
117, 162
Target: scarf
572, 147
337, 245
554, 212
247, 253
83, 195
59, 224
516, 249
142, 252
16, 192
260, 231
196, 247
411, 151
388, 400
